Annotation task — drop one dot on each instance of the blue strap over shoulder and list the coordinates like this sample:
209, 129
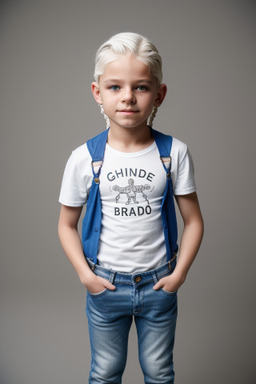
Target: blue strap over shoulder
96, 146
92, 221
169, 220
163, 142
91, 227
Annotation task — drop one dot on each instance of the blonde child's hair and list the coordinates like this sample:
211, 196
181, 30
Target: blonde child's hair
123, 43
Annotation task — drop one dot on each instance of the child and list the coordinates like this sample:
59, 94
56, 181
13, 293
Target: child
127, 255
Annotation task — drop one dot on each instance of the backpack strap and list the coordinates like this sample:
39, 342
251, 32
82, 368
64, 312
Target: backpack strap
96, 147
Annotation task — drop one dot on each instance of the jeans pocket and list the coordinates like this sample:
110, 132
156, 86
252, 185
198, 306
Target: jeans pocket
98, 294
168, 293
104, 291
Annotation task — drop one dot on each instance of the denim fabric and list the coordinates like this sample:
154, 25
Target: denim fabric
110, 315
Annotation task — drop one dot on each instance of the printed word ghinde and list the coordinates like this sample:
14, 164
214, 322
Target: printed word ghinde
129, 172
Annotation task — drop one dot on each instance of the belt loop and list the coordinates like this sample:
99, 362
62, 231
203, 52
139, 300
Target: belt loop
91, 264
155, 277
112, 277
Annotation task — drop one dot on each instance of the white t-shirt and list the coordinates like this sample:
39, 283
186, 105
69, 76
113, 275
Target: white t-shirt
131, 188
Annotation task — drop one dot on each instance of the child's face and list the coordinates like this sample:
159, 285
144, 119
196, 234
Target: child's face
128, 92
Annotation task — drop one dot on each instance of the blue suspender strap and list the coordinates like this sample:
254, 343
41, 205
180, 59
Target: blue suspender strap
164, 145
96, 147
91, 227
163, 142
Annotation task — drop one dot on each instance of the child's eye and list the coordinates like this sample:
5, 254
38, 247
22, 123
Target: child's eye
142, 88
114, 88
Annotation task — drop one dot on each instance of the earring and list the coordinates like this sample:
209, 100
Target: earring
104, 115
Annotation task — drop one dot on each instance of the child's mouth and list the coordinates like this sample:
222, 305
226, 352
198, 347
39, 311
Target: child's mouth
128, 111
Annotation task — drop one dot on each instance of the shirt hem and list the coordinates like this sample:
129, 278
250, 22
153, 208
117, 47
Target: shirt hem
71, 203
185, 192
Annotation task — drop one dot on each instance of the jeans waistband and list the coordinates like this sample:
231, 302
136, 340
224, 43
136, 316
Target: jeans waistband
134, 278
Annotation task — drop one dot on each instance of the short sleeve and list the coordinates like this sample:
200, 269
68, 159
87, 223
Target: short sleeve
183, 175
77, 179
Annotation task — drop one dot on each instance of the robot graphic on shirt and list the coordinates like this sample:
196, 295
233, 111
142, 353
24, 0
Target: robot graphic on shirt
131, 192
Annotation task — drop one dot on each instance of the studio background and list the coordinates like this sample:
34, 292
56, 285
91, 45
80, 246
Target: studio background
47, 110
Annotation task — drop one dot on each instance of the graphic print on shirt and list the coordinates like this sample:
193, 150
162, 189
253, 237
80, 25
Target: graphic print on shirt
131, 197
131, 190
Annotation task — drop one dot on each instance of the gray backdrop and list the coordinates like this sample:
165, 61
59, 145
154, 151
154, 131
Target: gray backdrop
47, 110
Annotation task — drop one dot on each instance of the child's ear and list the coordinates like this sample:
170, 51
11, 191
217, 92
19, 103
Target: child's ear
96, 92
161, 93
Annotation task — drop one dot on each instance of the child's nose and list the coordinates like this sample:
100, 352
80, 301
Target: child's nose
128, 95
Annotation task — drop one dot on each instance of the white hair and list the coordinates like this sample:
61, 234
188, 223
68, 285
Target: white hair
121, 44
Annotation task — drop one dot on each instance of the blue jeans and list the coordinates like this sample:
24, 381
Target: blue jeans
110, 315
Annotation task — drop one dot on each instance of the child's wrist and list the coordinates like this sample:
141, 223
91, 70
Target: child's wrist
86, 277
179, 275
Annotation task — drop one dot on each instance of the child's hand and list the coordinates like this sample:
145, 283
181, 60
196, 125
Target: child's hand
169, 283
96, 284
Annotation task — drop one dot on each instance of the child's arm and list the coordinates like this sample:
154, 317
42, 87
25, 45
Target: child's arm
190, 242
71, 243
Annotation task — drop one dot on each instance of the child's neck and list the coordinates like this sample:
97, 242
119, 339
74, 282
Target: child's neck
130, 139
